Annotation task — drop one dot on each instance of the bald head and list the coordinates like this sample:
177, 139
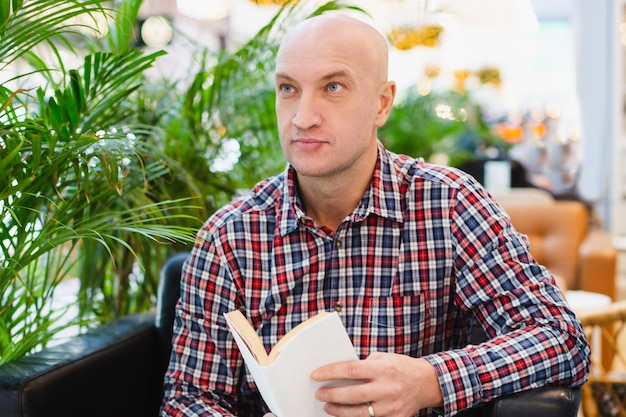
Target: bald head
339, 33
332, 95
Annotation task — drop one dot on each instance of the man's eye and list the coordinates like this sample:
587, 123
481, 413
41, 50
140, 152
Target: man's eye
286, 88
334, 87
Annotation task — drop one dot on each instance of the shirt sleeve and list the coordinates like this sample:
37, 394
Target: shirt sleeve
202, 375
534, 337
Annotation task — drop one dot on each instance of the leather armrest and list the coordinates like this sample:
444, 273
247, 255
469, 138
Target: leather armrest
109, 371
598, 264
552, 401
540, 402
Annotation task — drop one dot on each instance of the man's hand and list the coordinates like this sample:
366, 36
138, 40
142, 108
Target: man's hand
393, 385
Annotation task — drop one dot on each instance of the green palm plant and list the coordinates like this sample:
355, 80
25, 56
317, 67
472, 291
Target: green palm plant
417, 126
75, 167
102, 166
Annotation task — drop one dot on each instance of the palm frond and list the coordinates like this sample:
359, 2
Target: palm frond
52, 18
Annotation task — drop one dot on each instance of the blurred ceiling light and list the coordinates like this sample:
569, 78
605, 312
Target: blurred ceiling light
405, 38
421, 22
203, 9
156, 31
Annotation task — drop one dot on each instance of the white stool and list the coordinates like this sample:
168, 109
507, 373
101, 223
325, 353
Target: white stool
585, 301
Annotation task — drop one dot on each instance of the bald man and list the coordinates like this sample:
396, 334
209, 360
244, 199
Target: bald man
411, 255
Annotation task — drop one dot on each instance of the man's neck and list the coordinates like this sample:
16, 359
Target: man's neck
329, 201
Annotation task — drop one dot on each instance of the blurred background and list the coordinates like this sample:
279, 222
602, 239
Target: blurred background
126, 123
550, 70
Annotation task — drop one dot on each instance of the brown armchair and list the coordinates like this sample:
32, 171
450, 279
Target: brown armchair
562, 239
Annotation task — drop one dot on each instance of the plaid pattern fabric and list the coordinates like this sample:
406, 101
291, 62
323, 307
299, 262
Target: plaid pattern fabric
426, 252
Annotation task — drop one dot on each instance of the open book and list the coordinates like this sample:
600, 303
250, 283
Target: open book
283, 376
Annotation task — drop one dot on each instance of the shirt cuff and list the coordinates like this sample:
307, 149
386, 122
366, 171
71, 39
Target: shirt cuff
458, 378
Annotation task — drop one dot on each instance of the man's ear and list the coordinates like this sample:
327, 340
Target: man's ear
387, 95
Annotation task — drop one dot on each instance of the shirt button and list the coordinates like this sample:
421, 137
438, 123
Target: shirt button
337, 243
338, 307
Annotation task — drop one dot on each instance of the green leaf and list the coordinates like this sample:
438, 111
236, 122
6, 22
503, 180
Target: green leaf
122, 34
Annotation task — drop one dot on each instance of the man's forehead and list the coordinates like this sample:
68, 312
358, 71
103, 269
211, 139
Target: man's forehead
352, 45
322, 32
333, 23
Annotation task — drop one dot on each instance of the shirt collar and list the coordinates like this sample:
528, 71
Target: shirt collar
383, 197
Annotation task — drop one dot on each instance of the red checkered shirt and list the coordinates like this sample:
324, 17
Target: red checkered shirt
426, 254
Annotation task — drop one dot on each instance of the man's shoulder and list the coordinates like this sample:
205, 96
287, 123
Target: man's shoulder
446, 175
417, 171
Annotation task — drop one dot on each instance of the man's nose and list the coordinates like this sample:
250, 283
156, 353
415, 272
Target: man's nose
307, 113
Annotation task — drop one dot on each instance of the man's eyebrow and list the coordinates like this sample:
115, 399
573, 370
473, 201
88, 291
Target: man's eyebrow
329, 76
335, 74
283, 75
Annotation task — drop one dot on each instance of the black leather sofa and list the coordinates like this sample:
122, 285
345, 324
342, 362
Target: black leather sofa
113, 371
117, 371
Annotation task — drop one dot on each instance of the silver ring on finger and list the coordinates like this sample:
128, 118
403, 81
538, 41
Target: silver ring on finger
370, 409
